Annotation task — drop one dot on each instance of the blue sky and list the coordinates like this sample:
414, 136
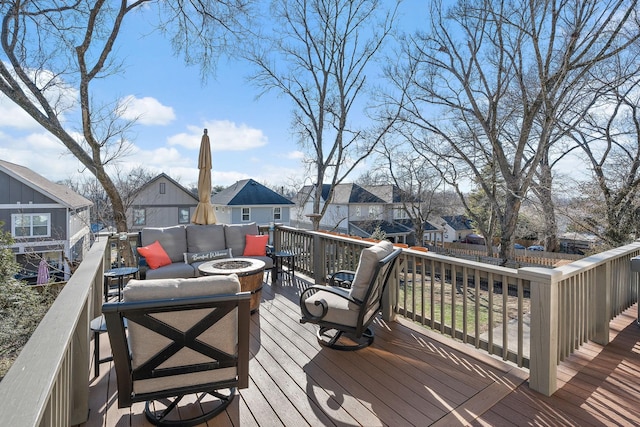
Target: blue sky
250, 138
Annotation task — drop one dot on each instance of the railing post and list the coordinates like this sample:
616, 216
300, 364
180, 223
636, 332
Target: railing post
389, 301
543, 345
319, 262
603, 303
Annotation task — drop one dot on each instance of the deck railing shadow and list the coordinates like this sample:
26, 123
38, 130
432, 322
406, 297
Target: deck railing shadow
466, 300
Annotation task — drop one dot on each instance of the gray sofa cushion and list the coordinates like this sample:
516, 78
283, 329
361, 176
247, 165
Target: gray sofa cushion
235, 236
203, 238
172, 239
175, 270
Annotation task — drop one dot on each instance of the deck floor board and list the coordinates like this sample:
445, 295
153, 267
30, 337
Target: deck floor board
408, 376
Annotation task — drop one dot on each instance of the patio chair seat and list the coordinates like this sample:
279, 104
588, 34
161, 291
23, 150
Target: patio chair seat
349, 312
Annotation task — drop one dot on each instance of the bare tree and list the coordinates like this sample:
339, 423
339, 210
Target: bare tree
484, 87
417, 180
318, 54
609, 137
54, 51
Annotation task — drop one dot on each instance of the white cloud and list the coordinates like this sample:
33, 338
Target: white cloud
224, 136
295, 155
147, 110
13, 116
42, 153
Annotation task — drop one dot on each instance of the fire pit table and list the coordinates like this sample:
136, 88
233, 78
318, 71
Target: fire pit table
250, 272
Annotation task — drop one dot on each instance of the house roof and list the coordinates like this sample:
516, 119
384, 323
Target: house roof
458, 222
173, 181
60, 193
390, 193
426, 226
389, 228
249, 192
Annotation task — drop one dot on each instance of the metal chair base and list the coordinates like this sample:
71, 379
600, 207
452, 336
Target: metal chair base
159, 418
327, 339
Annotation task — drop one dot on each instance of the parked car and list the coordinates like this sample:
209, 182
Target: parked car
518, 246
535, 248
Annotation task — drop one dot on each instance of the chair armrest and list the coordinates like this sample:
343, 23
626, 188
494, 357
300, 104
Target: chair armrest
341, 278
306, 315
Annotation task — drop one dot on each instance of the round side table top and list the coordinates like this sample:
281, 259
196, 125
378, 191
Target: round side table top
240, 266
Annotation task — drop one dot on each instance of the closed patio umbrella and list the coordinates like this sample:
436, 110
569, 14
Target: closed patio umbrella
43, 273
204, 211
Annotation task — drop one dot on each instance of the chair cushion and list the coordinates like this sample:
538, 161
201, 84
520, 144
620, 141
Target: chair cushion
369, 258
154, 255
203, 238
339, 311
172, 239
145, 344
256, 245
144, 290
234, 235
174, 270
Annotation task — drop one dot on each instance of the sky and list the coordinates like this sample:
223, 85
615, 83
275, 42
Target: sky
250, 138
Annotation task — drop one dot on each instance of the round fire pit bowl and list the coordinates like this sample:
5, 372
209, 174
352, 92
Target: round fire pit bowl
250, 273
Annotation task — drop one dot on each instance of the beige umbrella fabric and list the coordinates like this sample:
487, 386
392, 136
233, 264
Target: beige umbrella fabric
204, 211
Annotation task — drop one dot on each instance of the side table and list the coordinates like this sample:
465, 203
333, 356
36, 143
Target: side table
119, 273
278, 259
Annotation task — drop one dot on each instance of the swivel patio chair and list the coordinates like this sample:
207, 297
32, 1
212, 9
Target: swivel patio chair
174, 337
352, 300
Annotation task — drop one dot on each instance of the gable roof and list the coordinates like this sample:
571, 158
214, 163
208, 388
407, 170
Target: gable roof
458, 222
390, 228
173, 181
390, 193
426, 226
248, 192
60, 193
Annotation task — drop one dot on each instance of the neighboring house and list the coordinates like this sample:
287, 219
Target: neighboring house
455, 227
47, 220
250, 201
161, 202
358, 210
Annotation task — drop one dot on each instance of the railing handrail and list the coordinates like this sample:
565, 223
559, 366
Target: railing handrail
48, 382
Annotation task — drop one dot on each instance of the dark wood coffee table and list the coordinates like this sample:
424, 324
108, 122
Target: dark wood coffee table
250, 272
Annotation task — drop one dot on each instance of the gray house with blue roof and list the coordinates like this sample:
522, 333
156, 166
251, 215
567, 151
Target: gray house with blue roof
249, 201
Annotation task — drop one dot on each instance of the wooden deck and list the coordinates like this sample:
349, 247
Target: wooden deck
409, 376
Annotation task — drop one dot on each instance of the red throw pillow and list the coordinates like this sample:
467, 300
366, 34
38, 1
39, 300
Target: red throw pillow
155, 255
256, 245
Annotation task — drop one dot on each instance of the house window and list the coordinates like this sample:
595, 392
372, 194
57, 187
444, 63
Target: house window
277, 214
163, 188
400, 213
139, 216
246, 214
31, 225
358, 211
183, 216
372, 211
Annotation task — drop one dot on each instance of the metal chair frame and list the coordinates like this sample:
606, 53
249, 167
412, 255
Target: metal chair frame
118, 315
361, 333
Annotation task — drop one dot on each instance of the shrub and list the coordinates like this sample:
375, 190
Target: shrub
21, 306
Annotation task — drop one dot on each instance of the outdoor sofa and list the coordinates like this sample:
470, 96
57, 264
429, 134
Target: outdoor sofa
188, 246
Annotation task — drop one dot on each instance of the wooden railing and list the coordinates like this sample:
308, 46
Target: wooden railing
483, 305
48, 383
532, 316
